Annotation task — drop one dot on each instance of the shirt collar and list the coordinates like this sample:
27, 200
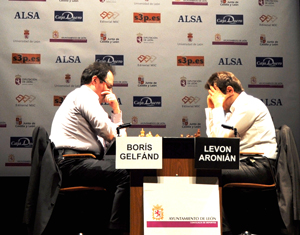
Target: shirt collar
237, 101
86, 88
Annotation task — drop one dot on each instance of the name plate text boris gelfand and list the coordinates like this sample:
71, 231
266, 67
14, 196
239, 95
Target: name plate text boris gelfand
139, 153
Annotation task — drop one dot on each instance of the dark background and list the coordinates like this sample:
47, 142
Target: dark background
13, 195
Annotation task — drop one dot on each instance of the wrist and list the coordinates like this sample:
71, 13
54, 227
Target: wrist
218, 105
211, 106
116, 111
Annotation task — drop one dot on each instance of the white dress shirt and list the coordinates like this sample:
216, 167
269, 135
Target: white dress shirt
81, 122
252, 120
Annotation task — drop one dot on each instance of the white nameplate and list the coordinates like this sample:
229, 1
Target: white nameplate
139, 153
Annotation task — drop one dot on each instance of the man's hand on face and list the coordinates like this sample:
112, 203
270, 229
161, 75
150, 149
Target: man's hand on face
112, 100
216, 97
210, 103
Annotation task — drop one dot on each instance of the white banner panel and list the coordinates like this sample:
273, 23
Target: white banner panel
179, 205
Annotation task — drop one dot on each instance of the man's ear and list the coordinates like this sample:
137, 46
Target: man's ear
94, 78
229, 90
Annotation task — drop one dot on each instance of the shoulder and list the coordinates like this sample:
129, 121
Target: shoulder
83, 93
251, 99
249, 104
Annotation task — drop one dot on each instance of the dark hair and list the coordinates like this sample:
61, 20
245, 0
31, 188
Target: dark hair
99, 69
224, 79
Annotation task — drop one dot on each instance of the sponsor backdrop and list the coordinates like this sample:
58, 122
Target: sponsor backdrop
163, 51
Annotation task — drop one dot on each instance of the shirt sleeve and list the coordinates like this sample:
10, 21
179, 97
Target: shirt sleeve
241, 120
117, 119
98, 119
214, 119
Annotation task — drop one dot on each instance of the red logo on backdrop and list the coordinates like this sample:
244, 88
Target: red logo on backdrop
261, 2
146, 58
18, 80
262, 38
185, 121
141, 80
183, 81
190, 37
19, 120
68, 78
103, 35
267, 18
57, 100
26, 33
146, 17
190, 99
21, 58
134, 120
139, 38
55, 34
109, 15
190, 60
25, 98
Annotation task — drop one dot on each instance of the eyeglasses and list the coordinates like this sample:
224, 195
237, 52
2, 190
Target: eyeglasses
109, 86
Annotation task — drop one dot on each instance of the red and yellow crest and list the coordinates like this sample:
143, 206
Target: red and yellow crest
157, 212
55, 34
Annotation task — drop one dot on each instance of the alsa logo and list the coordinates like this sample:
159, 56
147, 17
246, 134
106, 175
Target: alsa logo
30, 15
21, 58
190, 60
68, 59
230, 19
272, 102
21, 142
146, 17
230, 61
270, 62
189, 19
147, 101
72, 16
111, 59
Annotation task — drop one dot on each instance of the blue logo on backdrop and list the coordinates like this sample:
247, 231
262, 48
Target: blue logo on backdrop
111, 59
269, 62
147, 101
73, 16
230, 19
21, 142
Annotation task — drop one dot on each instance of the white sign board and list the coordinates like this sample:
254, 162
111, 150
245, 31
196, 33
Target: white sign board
139, 152
179, 205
